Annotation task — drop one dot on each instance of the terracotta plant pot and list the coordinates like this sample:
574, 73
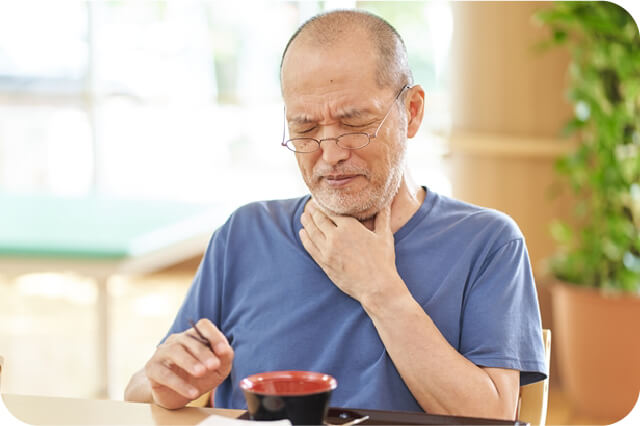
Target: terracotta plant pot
597, 339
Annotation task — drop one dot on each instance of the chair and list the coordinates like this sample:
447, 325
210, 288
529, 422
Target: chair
203, 400
1, 365
532, 404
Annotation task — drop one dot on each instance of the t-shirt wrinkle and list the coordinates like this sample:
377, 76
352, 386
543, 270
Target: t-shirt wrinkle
491, 255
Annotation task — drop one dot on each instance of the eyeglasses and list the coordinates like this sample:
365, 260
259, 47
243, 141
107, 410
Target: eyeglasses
352, 140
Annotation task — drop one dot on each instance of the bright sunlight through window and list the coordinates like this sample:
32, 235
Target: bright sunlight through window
177, 100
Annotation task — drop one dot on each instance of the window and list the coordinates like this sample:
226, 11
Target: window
176, 99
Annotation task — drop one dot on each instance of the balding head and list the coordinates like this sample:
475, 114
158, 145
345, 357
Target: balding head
326, 30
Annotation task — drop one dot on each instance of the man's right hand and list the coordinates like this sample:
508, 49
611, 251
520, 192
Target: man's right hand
182, 368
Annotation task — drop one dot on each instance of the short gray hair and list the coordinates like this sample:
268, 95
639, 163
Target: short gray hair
327, 28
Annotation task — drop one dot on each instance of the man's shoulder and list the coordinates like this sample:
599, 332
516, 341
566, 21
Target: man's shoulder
271, 208
266, 214
470, 217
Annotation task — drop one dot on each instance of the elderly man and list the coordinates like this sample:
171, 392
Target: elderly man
412, 300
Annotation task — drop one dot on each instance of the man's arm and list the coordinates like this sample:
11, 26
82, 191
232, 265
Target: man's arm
139, 388
362, 264
182, 368
440, 378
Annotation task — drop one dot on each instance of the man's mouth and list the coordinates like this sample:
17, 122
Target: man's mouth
339, 180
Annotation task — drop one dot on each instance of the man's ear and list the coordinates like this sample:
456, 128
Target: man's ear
414, 103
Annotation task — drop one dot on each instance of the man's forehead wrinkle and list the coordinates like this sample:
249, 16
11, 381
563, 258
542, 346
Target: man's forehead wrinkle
354, 113
323, 105
338, 114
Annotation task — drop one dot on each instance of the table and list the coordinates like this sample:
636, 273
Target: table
99, 237
39, 410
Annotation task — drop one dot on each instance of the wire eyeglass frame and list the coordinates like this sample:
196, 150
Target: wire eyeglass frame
289, 142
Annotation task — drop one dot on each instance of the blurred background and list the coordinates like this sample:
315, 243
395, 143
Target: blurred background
178, 103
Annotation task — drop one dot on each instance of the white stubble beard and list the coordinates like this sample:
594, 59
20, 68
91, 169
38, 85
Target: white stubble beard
368, 202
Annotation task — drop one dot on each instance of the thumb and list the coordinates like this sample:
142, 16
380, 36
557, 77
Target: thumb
383, 220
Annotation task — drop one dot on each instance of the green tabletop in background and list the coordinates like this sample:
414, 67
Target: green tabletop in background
98, 227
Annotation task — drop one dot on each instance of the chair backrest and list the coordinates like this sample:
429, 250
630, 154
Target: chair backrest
532, 405
203, 400
1, 365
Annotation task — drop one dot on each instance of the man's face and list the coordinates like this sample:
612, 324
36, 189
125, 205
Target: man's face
329, 92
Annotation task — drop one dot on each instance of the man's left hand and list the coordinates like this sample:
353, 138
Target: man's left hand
359, 261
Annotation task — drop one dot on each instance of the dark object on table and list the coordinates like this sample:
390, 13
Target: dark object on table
337, 416
300, 396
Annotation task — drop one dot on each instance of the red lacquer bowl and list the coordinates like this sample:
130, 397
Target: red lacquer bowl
300, 396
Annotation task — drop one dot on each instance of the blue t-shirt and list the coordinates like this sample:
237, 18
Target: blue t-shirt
466, 266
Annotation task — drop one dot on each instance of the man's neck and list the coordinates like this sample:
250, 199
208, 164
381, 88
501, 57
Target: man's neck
403, 206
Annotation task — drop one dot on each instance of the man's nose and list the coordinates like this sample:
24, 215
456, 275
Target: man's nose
332, 153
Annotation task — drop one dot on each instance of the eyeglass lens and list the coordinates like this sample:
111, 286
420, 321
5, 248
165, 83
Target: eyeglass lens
347, 141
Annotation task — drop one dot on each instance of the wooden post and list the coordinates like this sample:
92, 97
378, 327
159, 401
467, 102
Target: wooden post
508, 108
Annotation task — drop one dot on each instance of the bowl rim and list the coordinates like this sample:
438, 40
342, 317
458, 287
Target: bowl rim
248, 382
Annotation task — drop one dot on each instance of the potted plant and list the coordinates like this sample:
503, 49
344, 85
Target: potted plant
596, 308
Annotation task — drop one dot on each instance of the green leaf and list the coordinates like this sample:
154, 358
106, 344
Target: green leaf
604, 84
559, 35
561, 232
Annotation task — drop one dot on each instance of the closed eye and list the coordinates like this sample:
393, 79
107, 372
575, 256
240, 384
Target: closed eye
359, 126
302, 132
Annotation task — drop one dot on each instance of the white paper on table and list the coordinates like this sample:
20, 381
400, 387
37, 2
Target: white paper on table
216, 420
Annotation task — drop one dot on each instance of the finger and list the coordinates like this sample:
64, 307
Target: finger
309, 245
161, 374
322, 221
313, 208
177, 353
213, 334
383, 220
310, 226
344, 221
225, 354
200, 351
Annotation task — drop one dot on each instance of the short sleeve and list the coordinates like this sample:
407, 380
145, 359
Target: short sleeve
202, 299
500, 324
